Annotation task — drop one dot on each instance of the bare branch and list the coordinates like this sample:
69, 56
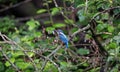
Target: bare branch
80, 30
13, 6
53, 52
107, 10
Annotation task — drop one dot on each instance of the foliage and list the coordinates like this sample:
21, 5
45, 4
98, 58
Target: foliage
6, 24
28, 46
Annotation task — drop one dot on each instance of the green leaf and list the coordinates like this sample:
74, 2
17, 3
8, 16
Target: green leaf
55, 11
105, 16
22, 65
112, 45
88, 36
50, 1
32, 24
81, 5
117, 38
73, 30
110, 28
50, 29
104, 36
85, 64
37, 34
69, 21
31, 54
82, 51
41, 11
59, 25
10, 70
116, 11
17, 54
11, 60
1, 67
101, 27
110, 58
47, 22
50, 67
63, 64
81, 15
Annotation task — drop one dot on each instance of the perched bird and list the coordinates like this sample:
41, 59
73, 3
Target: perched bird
62, 37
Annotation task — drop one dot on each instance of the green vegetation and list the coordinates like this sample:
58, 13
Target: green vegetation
29, 46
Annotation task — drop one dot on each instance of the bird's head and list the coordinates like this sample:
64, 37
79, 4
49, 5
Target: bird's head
59, 31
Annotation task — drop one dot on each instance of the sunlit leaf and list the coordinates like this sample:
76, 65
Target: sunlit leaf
80, 5
22, 65
31, 54
37, 34
11, 60
104, 36
112, 45
63, 64
41, 11
55, 11
101, 27
74, 29
85, 64
17, 54
59, 25
32, 24
69, 21
50, 29
110, 28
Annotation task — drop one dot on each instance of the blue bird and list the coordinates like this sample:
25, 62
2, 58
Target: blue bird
62, 37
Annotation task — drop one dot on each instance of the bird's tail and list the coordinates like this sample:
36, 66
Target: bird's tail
66, 45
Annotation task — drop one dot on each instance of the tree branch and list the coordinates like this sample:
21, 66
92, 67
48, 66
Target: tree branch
13, 6
53, 52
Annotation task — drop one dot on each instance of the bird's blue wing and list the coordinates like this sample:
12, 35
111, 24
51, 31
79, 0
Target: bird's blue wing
64, 39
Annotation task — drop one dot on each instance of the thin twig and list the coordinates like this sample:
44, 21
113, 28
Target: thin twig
80, 30
47, 58
13, 6
44, 64
107, 10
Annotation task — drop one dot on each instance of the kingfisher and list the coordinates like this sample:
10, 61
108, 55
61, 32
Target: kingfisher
62, 37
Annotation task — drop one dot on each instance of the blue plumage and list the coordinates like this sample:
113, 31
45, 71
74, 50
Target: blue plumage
63, 37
